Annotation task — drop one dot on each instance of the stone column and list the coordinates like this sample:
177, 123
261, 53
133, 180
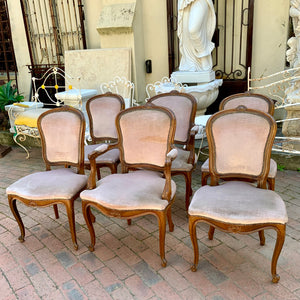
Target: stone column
121, 25
292, 128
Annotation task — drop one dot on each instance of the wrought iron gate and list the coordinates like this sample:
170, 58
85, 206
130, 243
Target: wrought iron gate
52, 27
233, 41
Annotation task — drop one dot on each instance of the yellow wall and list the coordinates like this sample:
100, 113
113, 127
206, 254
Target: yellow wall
156, 38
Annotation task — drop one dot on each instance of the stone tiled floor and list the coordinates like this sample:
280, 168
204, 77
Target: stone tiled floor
126, 263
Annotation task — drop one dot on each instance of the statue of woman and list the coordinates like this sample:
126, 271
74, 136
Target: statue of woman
196, 26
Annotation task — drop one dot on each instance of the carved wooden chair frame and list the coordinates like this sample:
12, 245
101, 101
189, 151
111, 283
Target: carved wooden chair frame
188, 143
261, 180
161, 215
68, 203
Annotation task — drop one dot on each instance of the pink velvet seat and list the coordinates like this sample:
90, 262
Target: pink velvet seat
252, 101
240, 143
145, 139
62, 135
102, 111
184, 107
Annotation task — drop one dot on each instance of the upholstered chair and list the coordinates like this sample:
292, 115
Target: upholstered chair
240, 144
102, 111
252, 101
184, 107
62, 135
145, 138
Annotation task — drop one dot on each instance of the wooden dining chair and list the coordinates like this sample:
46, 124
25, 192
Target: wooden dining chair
145, 141
240, 143
62, 132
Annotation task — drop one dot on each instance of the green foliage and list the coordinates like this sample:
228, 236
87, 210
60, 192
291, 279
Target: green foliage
9, 95
298, 170
280, 167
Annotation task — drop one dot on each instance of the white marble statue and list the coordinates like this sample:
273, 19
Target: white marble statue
292, 54
196, 26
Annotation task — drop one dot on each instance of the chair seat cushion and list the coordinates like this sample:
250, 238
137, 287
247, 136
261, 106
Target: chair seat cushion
109, 157
29, 117
180, 162
238, 203
55, 184
130, 191
272, 171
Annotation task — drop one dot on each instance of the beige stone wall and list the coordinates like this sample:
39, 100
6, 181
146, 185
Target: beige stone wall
270, 37
269, 42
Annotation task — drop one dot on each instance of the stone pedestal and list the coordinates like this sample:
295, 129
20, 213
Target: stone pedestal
202, 85
121, 25
292, 128
193, 77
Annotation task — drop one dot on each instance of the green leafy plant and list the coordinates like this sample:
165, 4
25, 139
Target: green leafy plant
9, 95
280, 167
298, 170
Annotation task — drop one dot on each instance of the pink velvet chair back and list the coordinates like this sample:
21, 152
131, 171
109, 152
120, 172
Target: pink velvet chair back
62, 132
240, 143
252, 101
145, 135
102, 111
184, 107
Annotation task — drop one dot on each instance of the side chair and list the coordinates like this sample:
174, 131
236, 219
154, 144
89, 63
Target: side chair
102, 111
145, 138
184, 107
252, 101
62, 133
240, 144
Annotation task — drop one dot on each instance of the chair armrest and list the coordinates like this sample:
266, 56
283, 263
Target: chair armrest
172, 154
195, 129
191, 144
92, 158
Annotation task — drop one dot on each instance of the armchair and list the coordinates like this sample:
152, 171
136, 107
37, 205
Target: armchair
252, 101
60, 148
184, 107
102, 111
145, 137
240, 143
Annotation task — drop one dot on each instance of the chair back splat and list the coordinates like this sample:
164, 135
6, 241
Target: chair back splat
252, 101
145, 137
102, 111
66, 129
240, 144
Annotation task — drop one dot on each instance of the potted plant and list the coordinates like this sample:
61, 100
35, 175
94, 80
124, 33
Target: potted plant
8, 95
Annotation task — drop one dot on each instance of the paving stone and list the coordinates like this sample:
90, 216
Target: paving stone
126, 263
148, 276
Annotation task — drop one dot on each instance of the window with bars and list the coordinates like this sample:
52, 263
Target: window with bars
7, 58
